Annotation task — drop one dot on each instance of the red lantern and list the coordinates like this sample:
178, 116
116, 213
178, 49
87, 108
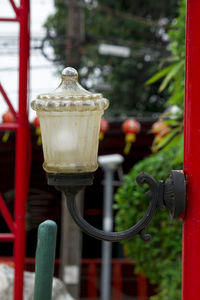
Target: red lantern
7, 117
160, 129
131, 128
36, 123
104, 126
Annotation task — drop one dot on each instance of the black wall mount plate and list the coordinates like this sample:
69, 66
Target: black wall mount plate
175, 194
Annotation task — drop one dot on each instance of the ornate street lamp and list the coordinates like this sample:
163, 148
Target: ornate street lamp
70, 122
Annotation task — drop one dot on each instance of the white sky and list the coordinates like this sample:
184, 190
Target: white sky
43, 75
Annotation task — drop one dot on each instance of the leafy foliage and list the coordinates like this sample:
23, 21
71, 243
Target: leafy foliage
160, 259
139, 25
174, 81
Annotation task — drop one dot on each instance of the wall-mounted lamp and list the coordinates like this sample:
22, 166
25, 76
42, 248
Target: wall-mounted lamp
70, 122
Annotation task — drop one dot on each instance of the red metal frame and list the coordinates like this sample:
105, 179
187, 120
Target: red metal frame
23, 157
7, 216
5, 96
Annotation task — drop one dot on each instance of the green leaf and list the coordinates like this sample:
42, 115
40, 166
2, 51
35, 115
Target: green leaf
171, 74
172, 122
166, 139
176, 99
179, 157
175, 142
160, 74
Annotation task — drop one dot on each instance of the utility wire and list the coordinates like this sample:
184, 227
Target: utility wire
31, 67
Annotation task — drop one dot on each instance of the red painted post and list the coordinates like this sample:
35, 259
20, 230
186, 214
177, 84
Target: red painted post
92, 280
191, 228
22, 144
141, 287
117, 280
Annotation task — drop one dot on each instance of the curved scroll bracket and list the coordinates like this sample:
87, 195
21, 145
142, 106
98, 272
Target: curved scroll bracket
159, 193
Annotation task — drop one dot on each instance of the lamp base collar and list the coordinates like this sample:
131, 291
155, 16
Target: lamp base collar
70, 180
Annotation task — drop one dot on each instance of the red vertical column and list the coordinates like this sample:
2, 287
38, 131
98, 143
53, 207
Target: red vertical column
117, 281
92, 280
191, 228
22, 142
141, 287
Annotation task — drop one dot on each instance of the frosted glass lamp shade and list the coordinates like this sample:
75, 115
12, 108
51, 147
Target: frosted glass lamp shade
70, 141
70, 123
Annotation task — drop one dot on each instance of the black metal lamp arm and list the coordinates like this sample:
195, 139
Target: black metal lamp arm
170, 194
138, 228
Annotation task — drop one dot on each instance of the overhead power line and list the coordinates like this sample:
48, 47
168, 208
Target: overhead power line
31, 67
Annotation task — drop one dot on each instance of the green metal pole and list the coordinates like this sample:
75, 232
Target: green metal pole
45, 256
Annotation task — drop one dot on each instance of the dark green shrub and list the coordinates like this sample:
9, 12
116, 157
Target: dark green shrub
159, 259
